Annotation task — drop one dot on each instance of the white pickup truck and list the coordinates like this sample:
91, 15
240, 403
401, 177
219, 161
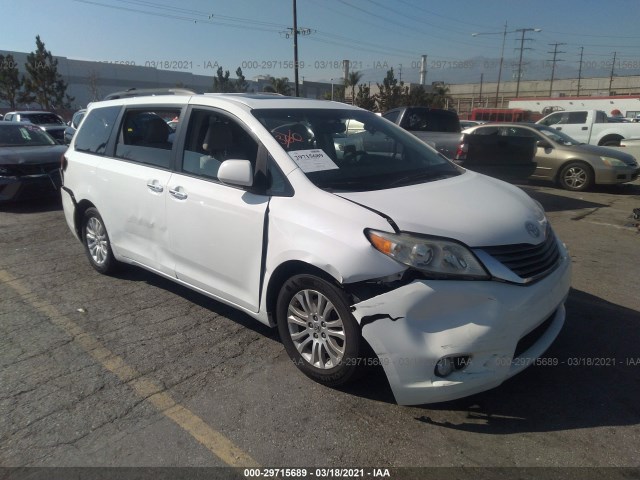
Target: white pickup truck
591, 126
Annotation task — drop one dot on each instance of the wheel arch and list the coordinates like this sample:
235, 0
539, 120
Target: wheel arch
78, 215
285, 271
611, 139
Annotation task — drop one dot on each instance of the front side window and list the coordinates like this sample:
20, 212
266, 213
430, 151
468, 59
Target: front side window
77, 118
553, 119
145, 136
94, 133
576, 117
557, 136
213, 138
377, 156
517, 132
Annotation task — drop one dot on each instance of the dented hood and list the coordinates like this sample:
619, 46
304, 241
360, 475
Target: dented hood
472, 208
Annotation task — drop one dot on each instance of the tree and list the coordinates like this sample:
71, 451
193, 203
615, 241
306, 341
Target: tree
418, 96
10, 82
241, 83
440, 97
364, 99
221, 82
391, 94
43, 84
351, 81
279, 85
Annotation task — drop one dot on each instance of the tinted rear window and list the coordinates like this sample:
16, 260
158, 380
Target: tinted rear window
42, 118
95, 130
423, 120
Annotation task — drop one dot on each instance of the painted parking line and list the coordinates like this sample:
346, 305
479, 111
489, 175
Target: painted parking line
148, 389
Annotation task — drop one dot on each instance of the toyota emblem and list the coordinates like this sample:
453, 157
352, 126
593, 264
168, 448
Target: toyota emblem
533, 229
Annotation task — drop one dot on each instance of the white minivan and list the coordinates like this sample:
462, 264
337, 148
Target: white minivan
339, 237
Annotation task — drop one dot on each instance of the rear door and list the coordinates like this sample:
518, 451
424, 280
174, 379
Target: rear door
134, 183
216, 231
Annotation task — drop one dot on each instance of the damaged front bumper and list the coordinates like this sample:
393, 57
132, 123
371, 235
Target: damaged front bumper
497, 328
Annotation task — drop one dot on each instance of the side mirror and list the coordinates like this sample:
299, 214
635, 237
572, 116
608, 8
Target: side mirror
543, 144
236, 172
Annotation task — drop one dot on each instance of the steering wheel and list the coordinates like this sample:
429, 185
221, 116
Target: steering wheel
354, 157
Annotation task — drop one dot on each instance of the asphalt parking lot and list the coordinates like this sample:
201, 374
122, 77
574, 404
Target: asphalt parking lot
134, 370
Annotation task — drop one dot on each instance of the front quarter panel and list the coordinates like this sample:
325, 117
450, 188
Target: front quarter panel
326, 231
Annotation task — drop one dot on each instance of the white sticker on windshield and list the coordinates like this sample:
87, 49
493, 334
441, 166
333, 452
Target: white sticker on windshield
313, 160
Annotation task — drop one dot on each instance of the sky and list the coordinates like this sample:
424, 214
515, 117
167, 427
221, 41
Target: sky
197, 36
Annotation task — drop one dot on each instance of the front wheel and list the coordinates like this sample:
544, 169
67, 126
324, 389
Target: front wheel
96, 242
576, 176
317, 329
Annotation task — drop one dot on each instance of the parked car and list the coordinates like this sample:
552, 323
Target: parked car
591, 126
29, 162
384, 242
560, 158
464, 124
437, 127
49, 122
70, 131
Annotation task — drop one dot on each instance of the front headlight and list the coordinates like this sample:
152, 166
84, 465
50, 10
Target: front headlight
434, 256
613, 162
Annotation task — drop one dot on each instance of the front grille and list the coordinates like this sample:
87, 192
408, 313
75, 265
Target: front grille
529, 262
530, 339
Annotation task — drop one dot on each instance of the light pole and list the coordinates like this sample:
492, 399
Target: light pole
504, 38
332, 89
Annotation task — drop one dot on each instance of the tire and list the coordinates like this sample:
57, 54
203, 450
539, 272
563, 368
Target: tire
576, 176
317, 329
96, 242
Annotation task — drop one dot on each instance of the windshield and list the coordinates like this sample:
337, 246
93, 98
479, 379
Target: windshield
337, 156
24, 136
557, 136
41, 118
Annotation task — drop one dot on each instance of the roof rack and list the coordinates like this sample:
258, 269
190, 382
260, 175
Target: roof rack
135, 92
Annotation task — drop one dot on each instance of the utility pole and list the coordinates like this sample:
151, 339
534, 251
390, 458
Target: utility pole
553, 63
295, 46
613, 64
524, 31
480, 94
295, 31
580, 70
504, 37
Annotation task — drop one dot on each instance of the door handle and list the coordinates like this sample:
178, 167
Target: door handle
585, 128
154, 186
177, 193
558, 128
